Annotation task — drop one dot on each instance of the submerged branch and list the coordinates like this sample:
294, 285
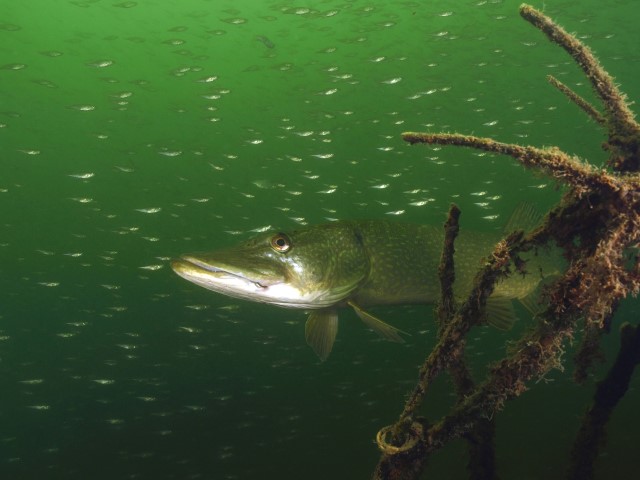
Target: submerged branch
614, 102
533, 356
559, 165
406, 443
577, 99
623, 130
608, 393
589, 351
597, 224
480, 440
468, 315
446, 272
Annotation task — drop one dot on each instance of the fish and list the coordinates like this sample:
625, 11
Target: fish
358, 264
265, 41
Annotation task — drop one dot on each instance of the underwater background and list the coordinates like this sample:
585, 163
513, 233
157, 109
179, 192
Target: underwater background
134, 131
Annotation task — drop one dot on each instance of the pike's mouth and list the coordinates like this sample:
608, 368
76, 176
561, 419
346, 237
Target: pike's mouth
188, 267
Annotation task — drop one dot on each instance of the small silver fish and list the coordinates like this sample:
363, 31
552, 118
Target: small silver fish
265, 41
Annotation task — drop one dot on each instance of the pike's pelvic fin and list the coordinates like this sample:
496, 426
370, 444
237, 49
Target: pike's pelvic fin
321, 330
385, 330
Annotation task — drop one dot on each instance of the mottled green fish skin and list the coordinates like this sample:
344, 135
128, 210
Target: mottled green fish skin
369, 262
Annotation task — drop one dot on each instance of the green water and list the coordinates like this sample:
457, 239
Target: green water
134, 131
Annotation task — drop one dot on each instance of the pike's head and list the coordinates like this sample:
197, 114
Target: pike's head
311, 268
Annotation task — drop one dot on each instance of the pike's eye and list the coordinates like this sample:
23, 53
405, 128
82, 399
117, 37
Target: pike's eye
280, 243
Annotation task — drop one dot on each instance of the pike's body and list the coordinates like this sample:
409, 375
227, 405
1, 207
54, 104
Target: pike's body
349, 263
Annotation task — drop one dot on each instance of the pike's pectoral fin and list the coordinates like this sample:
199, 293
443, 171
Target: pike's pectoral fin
385, 330
500, 312
321, 330
533, 300
524, 217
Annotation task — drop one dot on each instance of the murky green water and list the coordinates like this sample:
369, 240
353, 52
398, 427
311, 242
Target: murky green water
135, 131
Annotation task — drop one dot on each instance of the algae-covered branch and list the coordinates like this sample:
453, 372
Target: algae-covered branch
597, 227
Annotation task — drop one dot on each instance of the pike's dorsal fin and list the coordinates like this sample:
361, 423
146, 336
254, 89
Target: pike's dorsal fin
500, 312
321, 330
524, 217
385, 330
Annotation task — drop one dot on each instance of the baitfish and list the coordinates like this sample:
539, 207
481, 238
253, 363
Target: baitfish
265, 41
357, 264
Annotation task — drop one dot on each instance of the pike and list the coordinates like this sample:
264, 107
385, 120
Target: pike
357, 264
